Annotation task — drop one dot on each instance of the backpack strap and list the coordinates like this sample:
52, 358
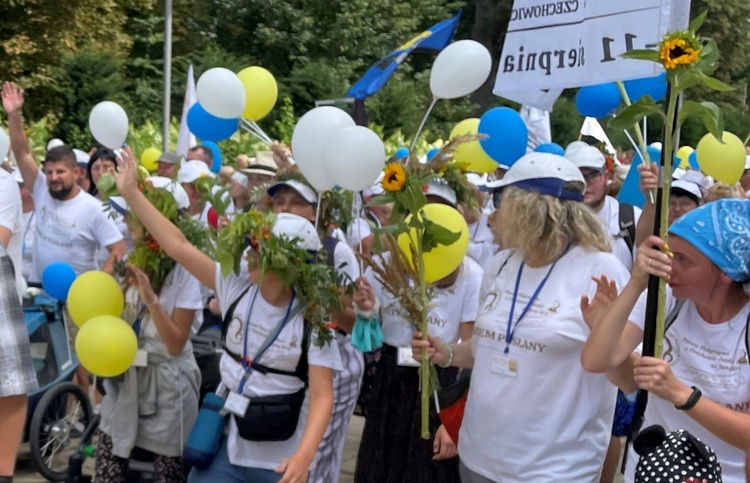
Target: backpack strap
672, 316
329, 245
626, 223
229, 314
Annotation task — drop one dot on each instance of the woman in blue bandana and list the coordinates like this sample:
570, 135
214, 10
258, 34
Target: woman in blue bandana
702, 384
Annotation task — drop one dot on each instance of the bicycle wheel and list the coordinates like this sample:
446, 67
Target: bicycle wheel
55, 429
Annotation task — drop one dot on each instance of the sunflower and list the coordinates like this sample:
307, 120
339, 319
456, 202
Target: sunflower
679, 51
394, 177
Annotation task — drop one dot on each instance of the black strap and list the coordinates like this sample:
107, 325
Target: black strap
301, 371
329, 245
627, 225
229, 314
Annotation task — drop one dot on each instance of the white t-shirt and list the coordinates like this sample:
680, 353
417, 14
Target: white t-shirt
357, 231
552, 420
283, 354
27, 246
610, 218
11, 217
69, 230
711, 357
482, 244
451, 307
102, 254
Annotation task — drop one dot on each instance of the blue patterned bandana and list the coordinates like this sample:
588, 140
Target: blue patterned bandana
721, 231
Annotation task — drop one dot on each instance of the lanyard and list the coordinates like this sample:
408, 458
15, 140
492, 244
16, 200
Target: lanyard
511, 329
137, 324
246, 364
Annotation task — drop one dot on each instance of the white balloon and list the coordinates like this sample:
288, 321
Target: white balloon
460, 69
53, 143
221, 93
4, 145
354, 158
309, 141
108, 123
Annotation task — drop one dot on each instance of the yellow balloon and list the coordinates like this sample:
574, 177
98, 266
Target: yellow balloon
471, 153
261, 92
93, 294
106, 346
149, 158
442, 260
683, 154
724, 161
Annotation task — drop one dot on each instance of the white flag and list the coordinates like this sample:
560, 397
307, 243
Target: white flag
537, 122
591, 127
186, 140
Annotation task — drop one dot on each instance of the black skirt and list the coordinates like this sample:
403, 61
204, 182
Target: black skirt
392, 449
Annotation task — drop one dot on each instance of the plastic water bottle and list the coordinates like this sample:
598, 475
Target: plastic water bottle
205, 438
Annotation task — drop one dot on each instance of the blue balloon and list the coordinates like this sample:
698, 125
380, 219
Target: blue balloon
431, 153
57, 279
598, 101
656, 87
507, 135
552, 148
207, 127
216, 166
693, 160
401, 153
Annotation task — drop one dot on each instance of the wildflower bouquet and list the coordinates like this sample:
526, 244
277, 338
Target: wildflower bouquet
315, 282
689, 60
404, 186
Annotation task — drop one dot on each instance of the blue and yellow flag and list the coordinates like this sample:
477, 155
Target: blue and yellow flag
431, 41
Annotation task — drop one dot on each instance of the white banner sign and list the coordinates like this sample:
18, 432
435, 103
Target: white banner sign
571, 43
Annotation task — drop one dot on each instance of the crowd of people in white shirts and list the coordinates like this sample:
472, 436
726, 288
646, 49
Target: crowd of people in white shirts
547, 310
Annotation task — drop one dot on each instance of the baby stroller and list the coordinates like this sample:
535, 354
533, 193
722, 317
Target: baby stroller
59, 411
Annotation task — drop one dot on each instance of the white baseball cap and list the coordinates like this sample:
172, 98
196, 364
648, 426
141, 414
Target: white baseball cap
584, 155
179, 194
190, 171
81, 157
306, 192
293, 226
441, 189
694, 182
543, 173
240, 179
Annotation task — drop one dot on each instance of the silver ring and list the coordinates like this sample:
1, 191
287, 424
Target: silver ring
649, 261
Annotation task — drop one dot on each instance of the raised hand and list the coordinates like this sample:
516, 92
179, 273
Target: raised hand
281, 155
126, 175
12, 98
140, 281
649, 178
594, 310
364, 297
654, 258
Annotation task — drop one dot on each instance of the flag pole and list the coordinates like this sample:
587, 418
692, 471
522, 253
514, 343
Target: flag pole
167, 73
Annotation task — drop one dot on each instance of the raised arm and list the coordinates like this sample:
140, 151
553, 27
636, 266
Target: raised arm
12, 103
613, 338
170, 238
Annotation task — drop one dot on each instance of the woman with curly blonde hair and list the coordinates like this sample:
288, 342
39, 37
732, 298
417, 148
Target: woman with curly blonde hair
533, 413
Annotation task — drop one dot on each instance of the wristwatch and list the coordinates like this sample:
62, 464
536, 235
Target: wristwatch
692, 400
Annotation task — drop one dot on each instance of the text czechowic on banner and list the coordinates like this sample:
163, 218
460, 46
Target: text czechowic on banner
552, 45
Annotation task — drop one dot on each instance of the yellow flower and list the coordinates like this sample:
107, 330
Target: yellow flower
394, 178
676, 52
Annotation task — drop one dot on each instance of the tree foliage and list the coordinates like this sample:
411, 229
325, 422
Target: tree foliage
71, 54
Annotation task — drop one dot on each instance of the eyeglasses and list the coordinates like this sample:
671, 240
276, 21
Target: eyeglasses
593, 176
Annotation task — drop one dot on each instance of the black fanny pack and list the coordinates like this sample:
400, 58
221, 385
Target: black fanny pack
271, 418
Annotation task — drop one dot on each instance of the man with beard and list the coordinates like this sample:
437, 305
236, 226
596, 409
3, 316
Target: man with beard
70, 223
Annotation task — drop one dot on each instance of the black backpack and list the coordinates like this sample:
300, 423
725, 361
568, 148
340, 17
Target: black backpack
627, 225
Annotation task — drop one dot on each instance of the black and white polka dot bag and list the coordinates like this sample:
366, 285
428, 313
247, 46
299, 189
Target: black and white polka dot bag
677, 457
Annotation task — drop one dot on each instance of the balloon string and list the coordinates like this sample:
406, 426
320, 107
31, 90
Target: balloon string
630, 138
421, 126
261, 131
247, 126
317, 211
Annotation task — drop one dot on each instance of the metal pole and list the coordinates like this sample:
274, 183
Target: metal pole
167, 72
